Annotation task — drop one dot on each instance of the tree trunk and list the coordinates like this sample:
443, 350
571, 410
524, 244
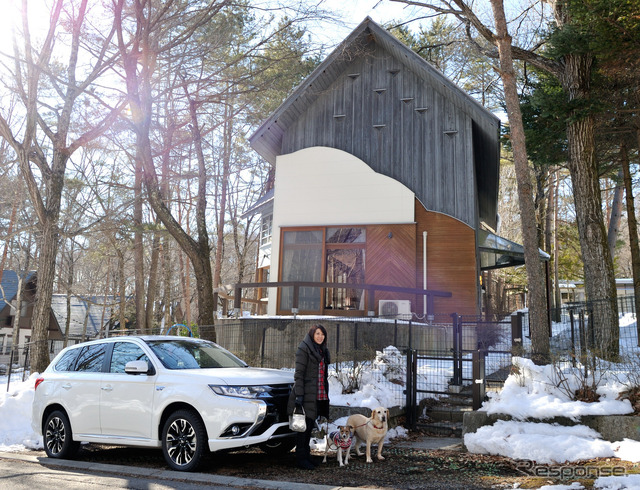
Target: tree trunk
122, 294
556, 255
15, 334
153, 282
69, 289
538, 319
616, 214
224, 180
540, 204
49, 233
138, 250
633, 229
167, 274
548, 235
598, 267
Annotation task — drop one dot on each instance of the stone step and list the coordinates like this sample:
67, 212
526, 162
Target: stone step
447, 413
440, 428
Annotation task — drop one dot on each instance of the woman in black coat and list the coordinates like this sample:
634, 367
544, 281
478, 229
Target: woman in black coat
311, 388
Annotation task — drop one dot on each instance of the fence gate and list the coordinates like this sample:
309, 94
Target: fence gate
478, 355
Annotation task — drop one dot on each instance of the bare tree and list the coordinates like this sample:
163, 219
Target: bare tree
573, 69
633, 225
537, 297
52, 129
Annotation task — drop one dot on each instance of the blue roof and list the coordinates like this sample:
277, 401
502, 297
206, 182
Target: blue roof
10, 286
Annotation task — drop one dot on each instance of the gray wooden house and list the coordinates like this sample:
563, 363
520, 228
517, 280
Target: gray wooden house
385, 173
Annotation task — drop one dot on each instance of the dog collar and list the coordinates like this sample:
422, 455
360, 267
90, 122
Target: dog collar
376, 427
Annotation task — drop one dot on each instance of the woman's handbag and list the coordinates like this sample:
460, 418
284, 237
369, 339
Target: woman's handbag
297, 422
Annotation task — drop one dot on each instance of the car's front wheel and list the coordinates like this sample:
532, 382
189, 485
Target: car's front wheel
184, 440
57, 438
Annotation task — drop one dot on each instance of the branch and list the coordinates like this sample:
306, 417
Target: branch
466, 15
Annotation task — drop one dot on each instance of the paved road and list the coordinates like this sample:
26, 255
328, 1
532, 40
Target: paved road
24, 472
26, 475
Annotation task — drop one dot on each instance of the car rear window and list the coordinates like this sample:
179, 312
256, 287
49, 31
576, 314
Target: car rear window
193, 354
67, 361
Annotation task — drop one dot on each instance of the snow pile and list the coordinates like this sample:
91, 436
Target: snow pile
375, 381
15, 416
542, 392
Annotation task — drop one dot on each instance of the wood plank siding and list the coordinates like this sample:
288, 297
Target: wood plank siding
451, 262
385, 130
391, 260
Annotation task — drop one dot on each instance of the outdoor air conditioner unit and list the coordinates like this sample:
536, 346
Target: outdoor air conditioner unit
395, 308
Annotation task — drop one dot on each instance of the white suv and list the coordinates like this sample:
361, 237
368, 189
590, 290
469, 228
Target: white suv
183, 394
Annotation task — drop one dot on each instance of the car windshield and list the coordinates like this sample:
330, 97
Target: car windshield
193, 354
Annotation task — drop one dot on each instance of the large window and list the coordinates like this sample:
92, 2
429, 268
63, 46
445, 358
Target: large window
333, 255
302, 261
345, 264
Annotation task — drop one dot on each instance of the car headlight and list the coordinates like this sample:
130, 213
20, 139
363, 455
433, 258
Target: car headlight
239, 391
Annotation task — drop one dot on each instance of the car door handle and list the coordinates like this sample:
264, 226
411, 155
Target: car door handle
107, 388
67, 386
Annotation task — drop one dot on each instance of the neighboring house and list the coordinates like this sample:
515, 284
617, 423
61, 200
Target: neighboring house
8, 296
573, 291
385, 173
87, 315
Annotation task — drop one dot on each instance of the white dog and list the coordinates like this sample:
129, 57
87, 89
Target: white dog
340, 439
370, 430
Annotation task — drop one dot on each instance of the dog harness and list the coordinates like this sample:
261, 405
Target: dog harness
338, 441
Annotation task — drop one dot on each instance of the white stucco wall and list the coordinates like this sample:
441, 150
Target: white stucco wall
322, 186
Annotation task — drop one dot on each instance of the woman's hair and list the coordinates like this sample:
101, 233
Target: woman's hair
313, 329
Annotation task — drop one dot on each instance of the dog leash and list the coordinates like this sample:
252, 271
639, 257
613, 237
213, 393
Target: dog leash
369, 421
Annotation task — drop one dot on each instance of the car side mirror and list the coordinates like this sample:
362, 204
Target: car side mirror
138, 367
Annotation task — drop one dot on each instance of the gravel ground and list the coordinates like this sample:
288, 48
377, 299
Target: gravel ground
403, 468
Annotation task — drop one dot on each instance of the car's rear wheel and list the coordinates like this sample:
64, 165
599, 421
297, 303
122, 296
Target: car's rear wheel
184, 440
278, 447
57, 438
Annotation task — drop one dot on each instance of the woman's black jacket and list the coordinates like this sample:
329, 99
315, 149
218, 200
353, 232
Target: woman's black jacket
306, 375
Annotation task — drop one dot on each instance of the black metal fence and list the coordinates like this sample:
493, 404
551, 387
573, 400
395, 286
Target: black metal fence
417, 361
572, 331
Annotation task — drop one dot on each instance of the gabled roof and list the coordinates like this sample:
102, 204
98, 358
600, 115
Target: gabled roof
9, 286
95, 310
265, 200
268, 137
381, 133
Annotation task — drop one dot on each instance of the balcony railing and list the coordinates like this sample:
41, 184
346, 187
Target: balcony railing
371, 289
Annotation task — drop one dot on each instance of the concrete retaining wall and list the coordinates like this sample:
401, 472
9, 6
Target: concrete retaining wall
336, 412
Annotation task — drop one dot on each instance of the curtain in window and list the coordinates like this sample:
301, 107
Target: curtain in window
302, 261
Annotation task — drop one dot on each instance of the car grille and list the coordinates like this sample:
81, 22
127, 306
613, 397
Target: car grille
276, 399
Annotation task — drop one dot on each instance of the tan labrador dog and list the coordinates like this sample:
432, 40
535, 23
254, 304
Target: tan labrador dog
371, 430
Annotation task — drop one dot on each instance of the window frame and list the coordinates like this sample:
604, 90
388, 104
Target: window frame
324, 246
